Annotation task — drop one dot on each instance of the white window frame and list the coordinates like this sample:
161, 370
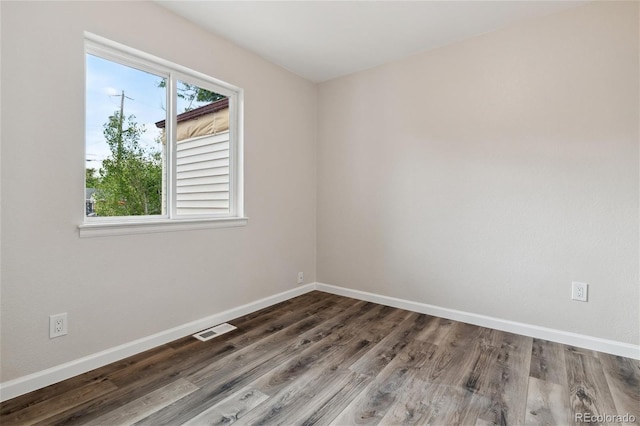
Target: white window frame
121, 225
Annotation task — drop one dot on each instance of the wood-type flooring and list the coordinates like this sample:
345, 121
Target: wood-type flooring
326, 359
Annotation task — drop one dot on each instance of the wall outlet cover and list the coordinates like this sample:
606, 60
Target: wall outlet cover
57, 325
579, 291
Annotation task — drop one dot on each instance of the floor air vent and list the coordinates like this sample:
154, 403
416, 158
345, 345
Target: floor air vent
212, 332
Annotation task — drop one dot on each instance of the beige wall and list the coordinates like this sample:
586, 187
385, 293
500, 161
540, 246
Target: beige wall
118, 289
487, 175
484, 176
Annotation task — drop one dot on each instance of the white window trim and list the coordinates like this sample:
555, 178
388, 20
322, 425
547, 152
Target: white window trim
157, 225
124, 225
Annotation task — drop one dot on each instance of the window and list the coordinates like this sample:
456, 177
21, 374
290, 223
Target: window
163, 145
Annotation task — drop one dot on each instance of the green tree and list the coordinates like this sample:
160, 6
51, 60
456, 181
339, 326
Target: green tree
130, 182
90, 179
192, 93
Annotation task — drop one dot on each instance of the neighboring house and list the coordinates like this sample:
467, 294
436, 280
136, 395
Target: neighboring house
90, 201
202, 156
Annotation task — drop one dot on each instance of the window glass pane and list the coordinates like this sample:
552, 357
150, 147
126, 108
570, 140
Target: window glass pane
125, 152
202, 151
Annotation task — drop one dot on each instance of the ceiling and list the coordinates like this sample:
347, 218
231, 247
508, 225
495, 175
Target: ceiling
321, 40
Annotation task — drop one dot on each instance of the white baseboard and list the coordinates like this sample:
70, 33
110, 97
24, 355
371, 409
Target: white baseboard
31, 382
579, 340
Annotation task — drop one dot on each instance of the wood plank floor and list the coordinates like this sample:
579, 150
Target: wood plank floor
325, 359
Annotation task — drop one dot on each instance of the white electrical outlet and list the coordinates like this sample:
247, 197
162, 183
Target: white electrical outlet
300, 277
579, 291
57, 325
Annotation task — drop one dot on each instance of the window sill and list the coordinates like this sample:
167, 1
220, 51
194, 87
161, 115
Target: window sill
101, 229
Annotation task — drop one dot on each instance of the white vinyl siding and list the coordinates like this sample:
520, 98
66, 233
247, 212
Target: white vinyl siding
202, 175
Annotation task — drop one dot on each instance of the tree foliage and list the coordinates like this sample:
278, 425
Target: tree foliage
90, 179
192, 93
130, 182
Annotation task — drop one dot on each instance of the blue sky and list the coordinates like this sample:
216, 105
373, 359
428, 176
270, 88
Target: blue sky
105, 81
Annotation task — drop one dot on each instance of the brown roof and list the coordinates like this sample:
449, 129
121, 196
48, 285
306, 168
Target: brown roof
198, 112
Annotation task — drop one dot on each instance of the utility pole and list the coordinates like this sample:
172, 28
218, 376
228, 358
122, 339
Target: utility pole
120, 124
